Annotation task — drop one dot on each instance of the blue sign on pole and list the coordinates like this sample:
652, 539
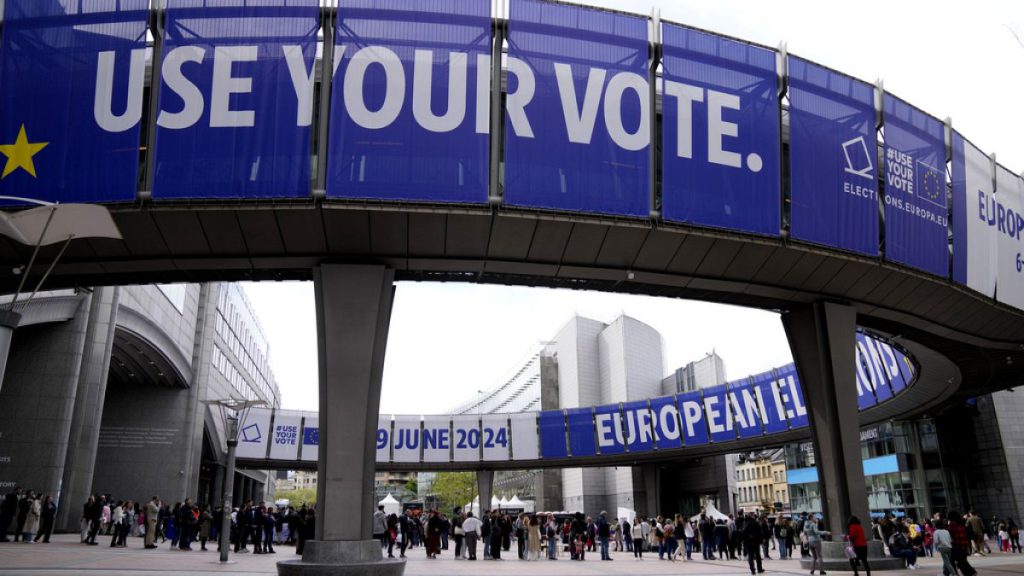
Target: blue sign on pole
833, 159
610, 438
410, 101
72, 99
577, 134
916, 226
236, 100
720, 133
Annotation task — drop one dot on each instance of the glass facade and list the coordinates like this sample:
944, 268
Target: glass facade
241, 352
903, 469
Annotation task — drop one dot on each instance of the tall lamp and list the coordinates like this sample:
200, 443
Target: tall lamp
233, 413
44, 225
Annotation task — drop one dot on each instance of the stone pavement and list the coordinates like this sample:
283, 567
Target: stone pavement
65, 556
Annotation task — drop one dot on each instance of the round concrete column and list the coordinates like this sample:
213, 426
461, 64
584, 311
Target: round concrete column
9, 320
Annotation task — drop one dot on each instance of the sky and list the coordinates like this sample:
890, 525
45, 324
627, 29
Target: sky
447, 340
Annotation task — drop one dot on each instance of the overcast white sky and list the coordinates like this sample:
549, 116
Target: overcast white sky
956, 59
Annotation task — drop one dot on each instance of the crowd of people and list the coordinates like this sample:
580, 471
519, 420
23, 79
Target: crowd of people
753, 537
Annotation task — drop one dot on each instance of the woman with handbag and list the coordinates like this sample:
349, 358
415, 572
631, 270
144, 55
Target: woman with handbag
858, 545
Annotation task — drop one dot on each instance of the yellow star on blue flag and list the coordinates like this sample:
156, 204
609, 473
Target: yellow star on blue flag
19, 154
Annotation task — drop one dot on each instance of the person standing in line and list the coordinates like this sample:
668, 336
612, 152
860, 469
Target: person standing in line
8, 509
47, 515
269, 523
205, 526
31, 525
380, 527
116, 519
603, 534
405, 526
859, 543
752, 540
152, 515
472, 527
458, 532
533, 537
690, 538
497, 534
551, 531
24, 503
520, 527
307, 530
637, 533
92, 512
627, 534
812, 538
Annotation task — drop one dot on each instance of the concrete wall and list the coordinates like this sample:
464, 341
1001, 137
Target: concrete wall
1009, 409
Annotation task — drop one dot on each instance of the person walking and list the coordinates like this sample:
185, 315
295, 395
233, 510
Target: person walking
812, 538
752, 539
205, 525
944, 545
116, 519
471, 526
91, 512
859, 543
961, 544
976, 529
551, 531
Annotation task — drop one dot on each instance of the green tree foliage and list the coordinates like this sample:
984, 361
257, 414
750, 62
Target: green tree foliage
454, 488
297, 498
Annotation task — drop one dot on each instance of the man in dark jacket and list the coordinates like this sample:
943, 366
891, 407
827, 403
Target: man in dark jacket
8, 508
752, 538
603, 534
92, 511
256, 528
23, 507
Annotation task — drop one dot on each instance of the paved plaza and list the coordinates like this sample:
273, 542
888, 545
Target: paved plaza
65, 555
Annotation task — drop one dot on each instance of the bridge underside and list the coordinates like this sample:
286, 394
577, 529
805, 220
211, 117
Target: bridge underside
206, 242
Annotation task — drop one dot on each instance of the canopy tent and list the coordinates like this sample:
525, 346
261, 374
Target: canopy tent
711, 512
503, 502
625, 513
391, 506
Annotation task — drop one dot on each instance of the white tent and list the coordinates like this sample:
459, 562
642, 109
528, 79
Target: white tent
391, 506
503, 502
494, 502
626, 513
515, 502
711, 512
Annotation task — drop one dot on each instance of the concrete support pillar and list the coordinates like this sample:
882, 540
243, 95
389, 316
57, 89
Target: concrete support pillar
822, 339
9, 320
353, 306
83, 442
651, 489
485, 487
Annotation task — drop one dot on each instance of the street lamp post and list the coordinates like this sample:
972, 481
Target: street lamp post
233, 413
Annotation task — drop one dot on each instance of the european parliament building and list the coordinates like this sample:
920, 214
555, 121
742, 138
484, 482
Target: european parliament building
106, 390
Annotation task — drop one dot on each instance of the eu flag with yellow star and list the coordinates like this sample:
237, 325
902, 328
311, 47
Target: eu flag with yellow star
71, 84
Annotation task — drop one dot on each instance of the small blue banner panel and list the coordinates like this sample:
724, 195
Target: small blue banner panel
236, 99
608, 421
916, 224
410, 101
792, 396
768, 392
667, 430
691, 415
720, 133
582, 441
551, 425
73, 76
974, 218
833, 159
577, 133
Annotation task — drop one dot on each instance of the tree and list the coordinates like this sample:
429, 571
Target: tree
454, 488
412, 487
298, 497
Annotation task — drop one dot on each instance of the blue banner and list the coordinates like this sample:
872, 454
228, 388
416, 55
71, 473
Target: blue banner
748, 411
577, 133
608, 420
73, 80
236, 100
551, 425
691, 415
667, 431
792, 396
916, 226
832, 157
582, 441
766, 388
639, 427
410, 101
720, 133
865, 385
